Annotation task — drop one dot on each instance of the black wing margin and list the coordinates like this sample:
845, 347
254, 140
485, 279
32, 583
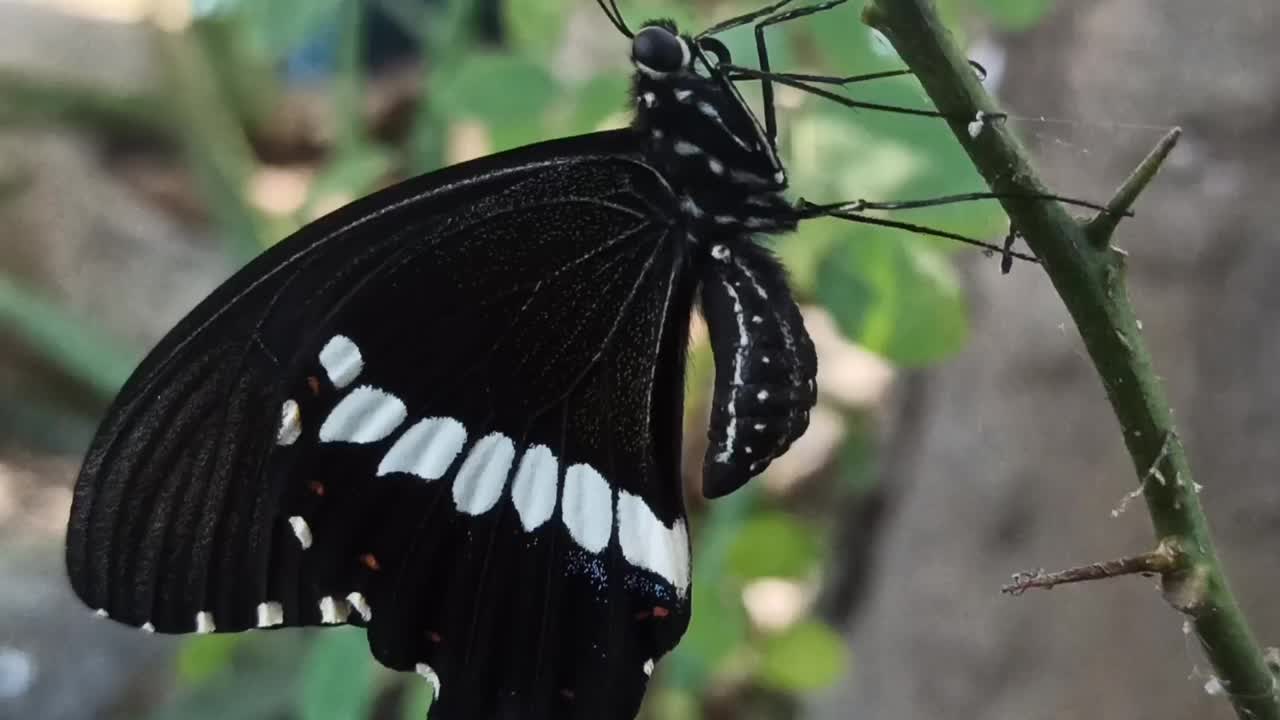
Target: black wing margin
286, 456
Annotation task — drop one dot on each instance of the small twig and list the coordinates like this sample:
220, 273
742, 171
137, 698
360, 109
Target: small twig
1101, 227
1160, 561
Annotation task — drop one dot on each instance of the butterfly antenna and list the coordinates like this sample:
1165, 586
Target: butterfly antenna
612, 12
750, 17
980, 71
783, 79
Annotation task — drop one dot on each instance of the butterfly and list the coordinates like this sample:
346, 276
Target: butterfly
450, 412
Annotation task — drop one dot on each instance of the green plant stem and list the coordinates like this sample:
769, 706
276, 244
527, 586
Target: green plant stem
1088, 274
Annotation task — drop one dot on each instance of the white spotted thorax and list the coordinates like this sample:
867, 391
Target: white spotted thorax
706, 139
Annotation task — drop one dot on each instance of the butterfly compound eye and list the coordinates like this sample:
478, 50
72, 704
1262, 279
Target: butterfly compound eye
659, 50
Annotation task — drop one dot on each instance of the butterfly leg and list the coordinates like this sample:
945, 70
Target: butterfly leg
762, 50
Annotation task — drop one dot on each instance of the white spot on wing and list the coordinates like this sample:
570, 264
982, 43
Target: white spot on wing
426, 449
715, 166
333, 612
204, 622
648, 667
587, 507
367, 414
357, 602
689, 206
534, 489
649, 99
433, 680
648, 543
684, 95
270, 614
684, 147
147, 627
301, 530
341, 360
102, 613
762, 395
720, 252
483, 474
290, 423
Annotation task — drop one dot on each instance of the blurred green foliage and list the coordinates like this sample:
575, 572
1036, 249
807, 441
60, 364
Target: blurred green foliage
893, 293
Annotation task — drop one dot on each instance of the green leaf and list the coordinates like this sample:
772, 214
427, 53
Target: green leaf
202, 657
337, 677
536, 27
351, 174
281, 26
495, 87
858, 454
805, 657
263, 694
259, 684
847, 45
719, 623
76, 346
665, 703
895, 296
418, 697
1016, 15
601, 97
774, 544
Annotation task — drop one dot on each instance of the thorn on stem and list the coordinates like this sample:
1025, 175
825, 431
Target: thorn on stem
1101, 227
1160, 561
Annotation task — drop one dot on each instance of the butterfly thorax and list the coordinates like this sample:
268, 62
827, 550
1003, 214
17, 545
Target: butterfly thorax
707, 143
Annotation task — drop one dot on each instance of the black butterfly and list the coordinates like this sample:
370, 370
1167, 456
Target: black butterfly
451, 411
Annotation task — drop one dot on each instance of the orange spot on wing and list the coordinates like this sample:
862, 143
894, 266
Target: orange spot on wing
313, 382
660, 612
370, 562
435, 636
317, 487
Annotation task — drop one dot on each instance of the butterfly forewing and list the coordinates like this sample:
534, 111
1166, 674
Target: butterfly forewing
340, 435
451, 412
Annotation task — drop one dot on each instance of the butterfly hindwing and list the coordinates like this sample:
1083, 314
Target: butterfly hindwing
449, 413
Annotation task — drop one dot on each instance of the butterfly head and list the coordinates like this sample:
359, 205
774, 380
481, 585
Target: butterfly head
658, 50
703, 134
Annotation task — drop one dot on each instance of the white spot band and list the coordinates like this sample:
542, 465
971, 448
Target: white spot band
270, 614
648, 543
365, 415
426, 449
587, 507
534, 489
341, 360
483, 474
